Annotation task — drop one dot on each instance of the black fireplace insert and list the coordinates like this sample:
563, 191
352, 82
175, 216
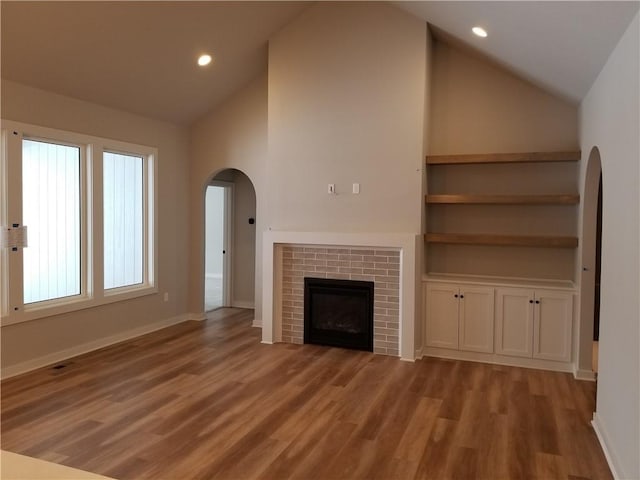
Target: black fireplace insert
338, 313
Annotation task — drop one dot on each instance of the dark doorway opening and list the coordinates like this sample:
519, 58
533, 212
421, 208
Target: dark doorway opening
596, 300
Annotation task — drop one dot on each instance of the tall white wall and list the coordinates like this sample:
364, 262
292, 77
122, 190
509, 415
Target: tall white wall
346, 105
45, 338
610, 120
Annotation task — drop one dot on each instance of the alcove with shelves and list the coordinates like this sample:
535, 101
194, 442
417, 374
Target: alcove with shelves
503, 215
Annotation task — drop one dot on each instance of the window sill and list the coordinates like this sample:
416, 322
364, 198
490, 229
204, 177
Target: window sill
49, 309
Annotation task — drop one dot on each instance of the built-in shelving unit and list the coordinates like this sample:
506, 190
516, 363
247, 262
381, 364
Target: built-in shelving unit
504, 199
504, 240
525, 200
504, 158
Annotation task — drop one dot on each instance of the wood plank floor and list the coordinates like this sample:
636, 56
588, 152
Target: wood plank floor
206, 400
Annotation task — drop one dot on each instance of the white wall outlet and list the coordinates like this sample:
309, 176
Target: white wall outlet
166, 296
356, 188
331, 189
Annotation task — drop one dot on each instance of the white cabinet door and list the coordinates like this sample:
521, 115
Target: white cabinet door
514, 322
442, 316
553, 318
476, 319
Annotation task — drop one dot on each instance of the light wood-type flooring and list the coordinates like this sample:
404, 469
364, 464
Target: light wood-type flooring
206, 400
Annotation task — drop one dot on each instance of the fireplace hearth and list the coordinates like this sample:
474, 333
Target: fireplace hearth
338, 313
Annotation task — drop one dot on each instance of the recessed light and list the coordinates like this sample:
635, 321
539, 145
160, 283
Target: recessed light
479, 31
204, 60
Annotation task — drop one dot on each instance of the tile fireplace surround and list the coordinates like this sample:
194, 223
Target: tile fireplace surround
388, 260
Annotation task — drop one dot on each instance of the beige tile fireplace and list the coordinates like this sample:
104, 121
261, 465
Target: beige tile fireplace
388, 260
380, 266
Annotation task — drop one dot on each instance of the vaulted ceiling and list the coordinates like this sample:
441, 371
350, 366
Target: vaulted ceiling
560, 46
141, 56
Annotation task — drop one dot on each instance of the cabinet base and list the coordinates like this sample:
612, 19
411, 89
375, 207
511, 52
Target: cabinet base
495, 359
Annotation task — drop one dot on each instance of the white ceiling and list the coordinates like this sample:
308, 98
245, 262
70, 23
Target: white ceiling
560, 46
141, 56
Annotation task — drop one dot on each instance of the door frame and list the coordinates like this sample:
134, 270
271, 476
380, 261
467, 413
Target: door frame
588, 263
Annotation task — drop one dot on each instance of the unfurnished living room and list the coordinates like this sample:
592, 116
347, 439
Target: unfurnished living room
328, 240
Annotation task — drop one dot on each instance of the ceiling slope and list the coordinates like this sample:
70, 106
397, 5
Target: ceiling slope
559, 46
140, 56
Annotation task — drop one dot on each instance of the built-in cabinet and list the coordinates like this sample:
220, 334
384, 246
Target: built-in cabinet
500, 260
499, 321
460, 317
534, 323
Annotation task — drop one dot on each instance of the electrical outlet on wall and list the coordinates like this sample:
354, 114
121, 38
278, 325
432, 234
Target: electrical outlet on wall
331, 189
166, 296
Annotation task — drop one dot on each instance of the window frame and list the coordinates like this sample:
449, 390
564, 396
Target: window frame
92, 293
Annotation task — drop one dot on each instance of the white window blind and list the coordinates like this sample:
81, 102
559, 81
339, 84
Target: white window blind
51, 211
123, 203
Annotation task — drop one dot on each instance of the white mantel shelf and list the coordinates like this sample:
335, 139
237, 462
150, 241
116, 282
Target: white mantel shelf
407, 243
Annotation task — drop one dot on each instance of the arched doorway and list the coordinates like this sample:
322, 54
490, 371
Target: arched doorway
230, 241
590, 271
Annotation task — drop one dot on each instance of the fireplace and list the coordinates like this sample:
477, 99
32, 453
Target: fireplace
387, 260
338, 313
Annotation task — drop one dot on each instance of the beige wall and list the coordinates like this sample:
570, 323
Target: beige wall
346, 105
478, 107
610, 120
46, 336
234, 135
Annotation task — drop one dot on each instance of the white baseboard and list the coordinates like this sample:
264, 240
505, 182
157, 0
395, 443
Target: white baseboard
582, 374
257, 322
496, 359
242, 304
199, 317
33, 364
419, 353
267, 343
603, 437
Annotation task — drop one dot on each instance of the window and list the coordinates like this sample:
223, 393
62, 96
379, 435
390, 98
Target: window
89, 206
123, 223
51, 209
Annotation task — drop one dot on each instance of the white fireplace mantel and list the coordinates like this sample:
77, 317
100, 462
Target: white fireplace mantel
407, 243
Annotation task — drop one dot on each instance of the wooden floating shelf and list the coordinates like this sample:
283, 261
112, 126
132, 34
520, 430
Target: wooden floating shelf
503, 240
504, 199
532, 157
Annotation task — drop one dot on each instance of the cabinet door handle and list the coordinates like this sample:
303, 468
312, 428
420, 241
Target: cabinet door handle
537, 301
456, 295
461, 296
530, 301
